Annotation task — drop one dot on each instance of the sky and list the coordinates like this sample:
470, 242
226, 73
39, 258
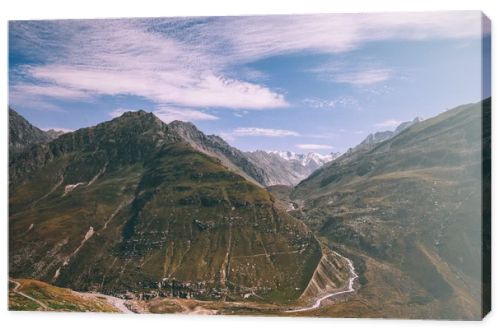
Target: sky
302, 83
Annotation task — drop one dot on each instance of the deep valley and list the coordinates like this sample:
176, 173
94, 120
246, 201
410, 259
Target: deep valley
136, 215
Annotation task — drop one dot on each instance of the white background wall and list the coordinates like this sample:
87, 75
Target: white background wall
114, 324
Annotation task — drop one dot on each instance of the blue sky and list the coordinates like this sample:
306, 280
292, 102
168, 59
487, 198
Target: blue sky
301, 83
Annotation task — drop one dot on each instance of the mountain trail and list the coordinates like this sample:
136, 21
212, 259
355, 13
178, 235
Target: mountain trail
348, 289
16, 291
118, 303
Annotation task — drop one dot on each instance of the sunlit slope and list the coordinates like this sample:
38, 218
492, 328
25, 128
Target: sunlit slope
412, 205
33, 295
129, 207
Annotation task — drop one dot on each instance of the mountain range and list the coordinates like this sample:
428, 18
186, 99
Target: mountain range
288, 168
139, 209
135, 207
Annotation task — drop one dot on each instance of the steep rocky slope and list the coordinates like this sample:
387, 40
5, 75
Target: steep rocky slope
409, 210
131, 207
22, 134
231, 157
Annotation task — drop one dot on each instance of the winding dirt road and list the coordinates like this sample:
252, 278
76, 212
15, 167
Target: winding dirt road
118, 303
348, 289
16, 291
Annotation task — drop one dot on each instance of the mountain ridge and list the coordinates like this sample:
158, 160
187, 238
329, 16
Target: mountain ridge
23, 134
215, 146
288, 168
129, 207
413, 203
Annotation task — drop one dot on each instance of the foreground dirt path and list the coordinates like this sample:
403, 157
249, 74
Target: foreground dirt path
118, 303
16, 291
349, 288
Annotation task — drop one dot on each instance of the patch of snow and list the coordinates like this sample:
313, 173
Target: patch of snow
70, 187
306, 159
58, 272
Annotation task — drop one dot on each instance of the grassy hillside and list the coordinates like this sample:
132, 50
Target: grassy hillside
33, 295
410, 210
129, 208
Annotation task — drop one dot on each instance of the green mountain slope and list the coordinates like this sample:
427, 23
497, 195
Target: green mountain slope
410, 210
33, 295
129, 207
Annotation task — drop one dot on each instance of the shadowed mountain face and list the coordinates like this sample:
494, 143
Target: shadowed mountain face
131, 206
22, 134
260, 167
409, 207
212, 145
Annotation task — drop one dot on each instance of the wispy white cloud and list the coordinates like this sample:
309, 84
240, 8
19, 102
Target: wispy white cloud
361, 73
181, 88
18, 99
51, 90
240, 113
341, 101
319, 103
389, 123
126, 57
326, 135
255, 37
168, 114
185, 62
364, 77
263, 132
314, 146
232, 135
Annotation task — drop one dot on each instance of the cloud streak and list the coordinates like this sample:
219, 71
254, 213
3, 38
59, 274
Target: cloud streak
126, 57
263, 132
255, 37
364, 78
314, 146
341, 101
186, 62
389, 123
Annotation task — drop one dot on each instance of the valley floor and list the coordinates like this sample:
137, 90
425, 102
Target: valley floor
33, 295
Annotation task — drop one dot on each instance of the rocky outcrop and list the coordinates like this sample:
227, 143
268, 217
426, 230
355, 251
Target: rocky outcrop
22, 134
215, 146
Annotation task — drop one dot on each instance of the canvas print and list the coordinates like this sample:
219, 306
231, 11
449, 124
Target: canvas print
330, 165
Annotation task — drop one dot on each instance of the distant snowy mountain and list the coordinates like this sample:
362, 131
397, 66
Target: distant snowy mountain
315, 160
288, 168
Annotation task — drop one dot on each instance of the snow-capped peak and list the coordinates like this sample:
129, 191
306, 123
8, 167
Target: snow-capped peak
308, 158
